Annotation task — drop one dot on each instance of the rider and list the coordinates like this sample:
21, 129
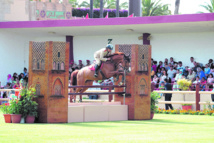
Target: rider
100, 55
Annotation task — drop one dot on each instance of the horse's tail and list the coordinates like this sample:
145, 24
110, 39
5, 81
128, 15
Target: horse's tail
74, 77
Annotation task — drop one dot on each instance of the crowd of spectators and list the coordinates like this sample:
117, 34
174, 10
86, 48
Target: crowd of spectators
173, 71
14, 81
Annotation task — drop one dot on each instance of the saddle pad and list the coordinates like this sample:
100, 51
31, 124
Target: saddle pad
92, 67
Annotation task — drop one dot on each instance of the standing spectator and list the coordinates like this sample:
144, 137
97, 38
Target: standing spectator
196, 65
210, 81
168, 96
191, 75
207, 70
166, 61
80, 65
186, 72
201, 73
160, 65
88, 62
154, 66
171, 72
191, 65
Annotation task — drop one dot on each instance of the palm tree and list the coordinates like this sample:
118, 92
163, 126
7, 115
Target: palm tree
208, 7
76, 3
154, 8
177, 5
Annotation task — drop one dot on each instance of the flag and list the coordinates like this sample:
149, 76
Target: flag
131, 15
86, 17
106, 15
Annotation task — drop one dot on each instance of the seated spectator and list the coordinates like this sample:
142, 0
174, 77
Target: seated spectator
155, 79
9, 78
191, 75
159, 73
175, 66
178, 75
203, 84
162, 70
166, 61
210, 63
159, 66
197, 80
191, 65
210, 81
166, 66
152, 73
207, 70
186, 72
212, 71
14, 77
163, 76
17, 84
171, 72
201, 73
171, 61
180, 66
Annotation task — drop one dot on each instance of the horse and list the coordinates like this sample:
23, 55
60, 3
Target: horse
109, 69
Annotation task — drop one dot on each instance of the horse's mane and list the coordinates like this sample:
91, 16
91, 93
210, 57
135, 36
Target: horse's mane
116, 53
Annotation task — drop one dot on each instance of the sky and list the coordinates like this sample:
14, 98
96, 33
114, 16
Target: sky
186, 6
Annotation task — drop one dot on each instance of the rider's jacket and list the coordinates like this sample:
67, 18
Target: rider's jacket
101, 54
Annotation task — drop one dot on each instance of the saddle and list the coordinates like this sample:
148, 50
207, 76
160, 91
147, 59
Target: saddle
92, 68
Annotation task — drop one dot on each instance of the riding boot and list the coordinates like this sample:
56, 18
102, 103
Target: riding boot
96, 70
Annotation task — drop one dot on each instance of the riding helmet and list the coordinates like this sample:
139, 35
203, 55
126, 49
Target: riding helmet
110, 46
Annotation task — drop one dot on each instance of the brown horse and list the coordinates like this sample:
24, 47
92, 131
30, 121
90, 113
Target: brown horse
109, 68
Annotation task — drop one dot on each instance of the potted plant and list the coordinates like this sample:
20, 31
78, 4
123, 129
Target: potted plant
16, 110
154, 100
187, 107
5, 108
29, 107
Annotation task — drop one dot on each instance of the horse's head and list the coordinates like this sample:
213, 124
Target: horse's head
122, 59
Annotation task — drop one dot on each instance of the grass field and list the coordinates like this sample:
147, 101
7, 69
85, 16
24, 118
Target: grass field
163, 128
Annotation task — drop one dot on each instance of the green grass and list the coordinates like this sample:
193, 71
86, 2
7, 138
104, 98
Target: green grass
163, 128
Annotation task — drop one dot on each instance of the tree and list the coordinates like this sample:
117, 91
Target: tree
177, 5
109, 4
209, 7
76, 3
154, 8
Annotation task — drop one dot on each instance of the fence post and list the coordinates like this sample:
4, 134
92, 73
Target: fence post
110, 95
197, 97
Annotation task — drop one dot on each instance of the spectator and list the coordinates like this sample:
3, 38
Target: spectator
88, 62
163, 76
161, 87
162, 70
168, 96
175, 65
191, 65
171, 72
200, 73
171, 61
186, 72
210, 63
180, 66
152, 73
197, 80
155, 79
207, 70
195, 66
191, 75
14, 77
166, 61
9, 78
159, 73
166, 66
210, 81
203, 83
178, 75
80, 65
25, 72
154, 66
160, 65
212, 71
212, 96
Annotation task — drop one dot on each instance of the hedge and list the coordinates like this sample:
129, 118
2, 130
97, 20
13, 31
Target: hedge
80, 12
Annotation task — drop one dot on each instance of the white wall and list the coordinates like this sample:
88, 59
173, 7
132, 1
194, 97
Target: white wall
13, 53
